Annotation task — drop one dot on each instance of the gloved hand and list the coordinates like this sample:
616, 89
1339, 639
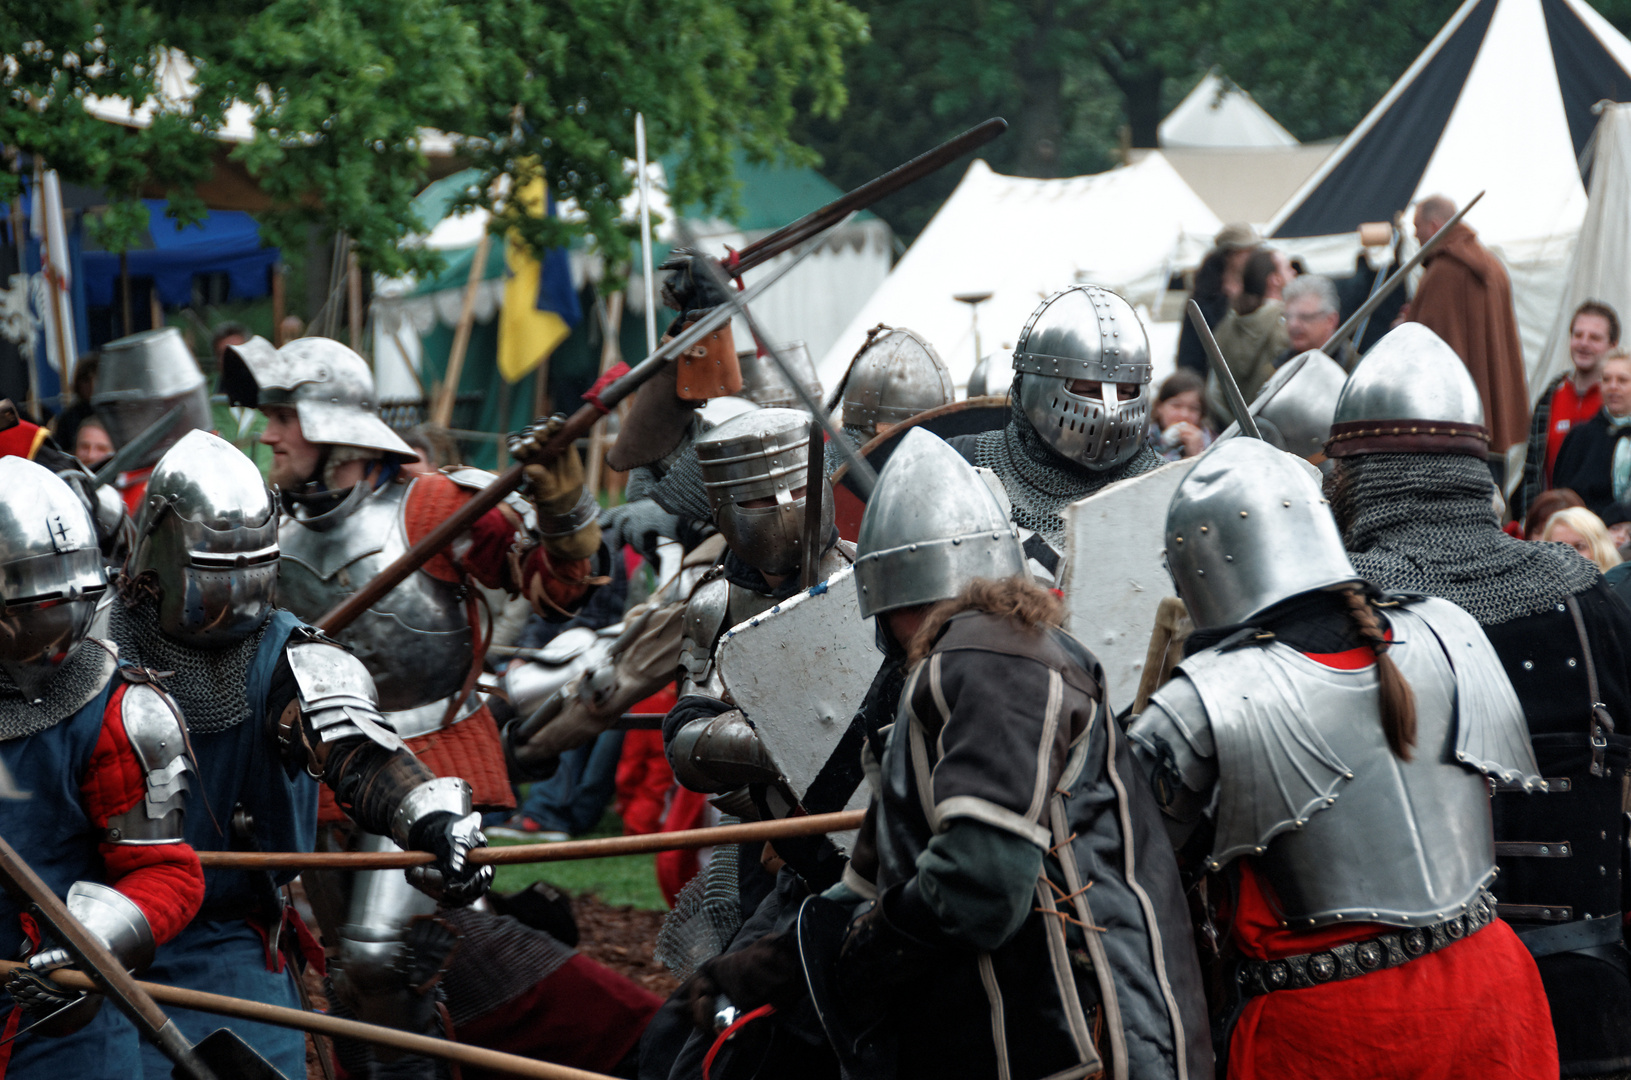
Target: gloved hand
690, 288
452, 879
892, 942
567, 515
767, 972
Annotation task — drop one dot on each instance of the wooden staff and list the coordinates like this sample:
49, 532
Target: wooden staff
604, 847
442, 414
322, 1024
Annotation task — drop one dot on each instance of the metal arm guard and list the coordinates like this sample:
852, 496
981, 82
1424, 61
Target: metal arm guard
719, 754
160, 745
447, 793
336, 695
113, 918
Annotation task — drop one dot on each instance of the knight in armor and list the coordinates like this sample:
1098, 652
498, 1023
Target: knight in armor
348, 512
895, 375
94, 781
270, 705
1331, 757
1077, 414
140, 379
963, 939
1414, 498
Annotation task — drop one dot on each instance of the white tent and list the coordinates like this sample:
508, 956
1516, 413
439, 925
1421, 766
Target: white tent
1601, 268
1500, 101
1219, 114
1022, 240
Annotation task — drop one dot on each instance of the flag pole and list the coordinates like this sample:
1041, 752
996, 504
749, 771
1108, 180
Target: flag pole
645, 232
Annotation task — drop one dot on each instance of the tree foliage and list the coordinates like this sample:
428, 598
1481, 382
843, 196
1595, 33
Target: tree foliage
1080, 79
343, 90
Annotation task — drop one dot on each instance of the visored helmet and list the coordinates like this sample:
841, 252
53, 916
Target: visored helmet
1248, 528
931, 527
896, 376
329, 387
141, 378
1410, 394
206, 536
751, 467
1086, 335
51, 573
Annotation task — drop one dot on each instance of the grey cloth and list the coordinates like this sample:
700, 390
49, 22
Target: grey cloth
1424, 523
1040, 483
707, 914
80, 678
499, 958
210, 686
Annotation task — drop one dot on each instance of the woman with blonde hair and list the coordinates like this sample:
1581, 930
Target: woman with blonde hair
1585, 532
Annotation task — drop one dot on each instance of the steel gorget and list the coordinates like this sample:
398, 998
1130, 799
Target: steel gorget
80, 678
1040, 483
1423, 523
210, 686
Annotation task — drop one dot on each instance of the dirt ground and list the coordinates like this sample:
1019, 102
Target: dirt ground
622, 938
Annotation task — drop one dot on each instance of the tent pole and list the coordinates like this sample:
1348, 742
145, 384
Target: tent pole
610, 354
279, 303
353, 296
442, 416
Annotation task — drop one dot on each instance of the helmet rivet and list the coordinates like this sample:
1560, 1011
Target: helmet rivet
1179, 539
912, 548
1228, 558
1204, 529
1285, 502
1243, 514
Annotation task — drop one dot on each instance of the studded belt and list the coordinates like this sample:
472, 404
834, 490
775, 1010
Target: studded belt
1392, 949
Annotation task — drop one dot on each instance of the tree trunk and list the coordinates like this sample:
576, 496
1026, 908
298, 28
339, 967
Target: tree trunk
1040, 129
1141, 103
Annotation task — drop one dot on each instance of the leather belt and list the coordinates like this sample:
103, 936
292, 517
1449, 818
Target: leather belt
424, 719
1570, 936
1392, 949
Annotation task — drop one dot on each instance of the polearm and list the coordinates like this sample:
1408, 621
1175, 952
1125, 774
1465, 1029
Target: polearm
579, 423
333, 1026
1378, 295
1226, 378
604, 847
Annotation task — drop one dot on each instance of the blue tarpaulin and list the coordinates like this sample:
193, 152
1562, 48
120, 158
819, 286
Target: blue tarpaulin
225, 242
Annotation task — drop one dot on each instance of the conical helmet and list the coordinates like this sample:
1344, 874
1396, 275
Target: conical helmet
764, 384
206, 535
1248, 528
1410, 394
51, 573
755, 467
1295, 408
1086, 335
931, 526
141, 378
328, 385
895, 377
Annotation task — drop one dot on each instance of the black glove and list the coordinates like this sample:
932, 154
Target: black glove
767, 972
895, 941
56, 1010
452, 879
690, 287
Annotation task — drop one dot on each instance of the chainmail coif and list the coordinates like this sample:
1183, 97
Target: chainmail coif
210, 686
1424, 523
80, 678
1039, 481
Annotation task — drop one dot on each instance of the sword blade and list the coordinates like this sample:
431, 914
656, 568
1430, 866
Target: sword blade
1226, 378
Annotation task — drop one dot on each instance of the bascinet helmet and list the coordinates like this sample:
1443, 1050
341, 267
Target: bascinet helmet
1410, 394
1089, 334
141, 378
895, 377
764, 384
51, 573
1295, 408
1248, 528
751, 466
329, 387
206, 536
931, 527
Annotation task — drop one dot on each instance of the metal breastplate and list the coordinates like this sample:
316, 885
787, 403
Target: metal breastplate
1344, 830
416, 641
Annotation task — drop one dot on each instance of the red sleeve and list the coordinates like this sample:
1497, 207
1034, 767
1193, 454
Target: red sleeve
164, 880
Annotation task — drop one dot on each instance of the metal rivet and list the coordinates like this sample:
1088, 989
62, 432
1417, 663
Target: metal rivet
1228, 558
1529, 665
1203, 529
1244, 514
1571, 661
1283, 502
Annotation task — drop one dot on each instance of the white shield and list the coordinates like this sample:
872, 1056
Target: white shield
1116, 574
799, 672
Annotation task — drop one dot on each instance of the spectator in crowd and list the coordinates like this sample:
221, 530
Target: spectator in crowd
91, 443
1585, 532
1465, 297
1313, 312
65, 427
1618, 520
289, 329
1254, 334
1177, 429
1595, 459
1574, 397
1542, 509
1217, 282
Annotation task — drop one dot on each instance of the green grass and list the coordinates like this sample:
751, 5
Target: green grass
623, 881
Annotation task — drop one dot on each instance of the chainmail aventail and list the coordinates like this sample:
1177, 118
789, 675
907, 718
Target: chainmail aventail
210, 686
80, 678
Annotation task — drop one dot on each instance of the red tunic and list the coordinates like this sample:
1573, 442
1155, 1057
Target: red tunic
22, 441
1568, 409
1475, 1009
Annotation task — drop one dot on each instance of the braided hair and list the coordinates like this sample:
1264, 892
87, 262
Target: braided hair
1398, 701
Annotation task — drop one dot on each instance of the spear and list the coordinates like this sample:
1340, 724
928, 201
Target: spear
603, 847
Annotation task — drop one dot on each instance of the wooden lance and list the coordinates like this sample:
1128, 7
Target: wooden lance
558, 440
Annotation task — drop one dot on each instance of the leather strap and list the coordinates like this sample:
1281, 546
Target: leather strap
1601, 722
1571, 936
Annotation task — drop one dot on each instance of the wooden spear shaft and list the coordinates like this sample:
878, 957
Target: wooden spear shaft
601, 848
322, 1024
